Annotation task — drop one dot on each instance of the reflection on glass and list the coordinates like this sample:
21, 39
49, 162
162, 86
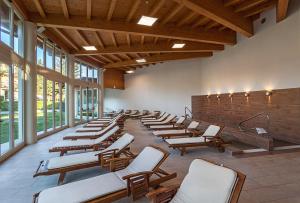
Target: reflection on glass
40, 121
50, 108
63, 103
57, 60
40, 52
4, 109
83, 72
18, 34
90, 74
95, 75
63, 64
77, 104
95, 103
57, 105
77, 70
49, 55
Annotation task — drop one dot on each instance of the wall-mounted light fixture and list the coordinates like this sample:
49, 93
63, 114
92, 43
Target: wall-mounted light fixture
247, 94
230, 95
268, 92
218, 96
208, 96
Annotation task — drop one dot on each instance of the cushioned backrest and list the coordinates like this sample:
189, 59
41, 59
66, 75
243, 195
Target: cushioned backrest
206, 182
163, 117
106, 128
193, 125
147, 160
122, 142
170, 117
107, 135
180, 120
212, 130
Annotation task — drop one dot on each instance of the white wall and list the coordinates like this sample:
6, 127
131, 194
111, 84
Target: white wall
268, 60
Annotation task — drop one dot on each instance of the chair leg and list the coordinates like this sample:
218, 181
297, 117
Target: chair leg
61, 178
182, 151
62, 153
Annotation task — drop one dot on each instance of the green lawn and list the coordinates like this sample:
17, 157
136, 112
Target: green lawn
4, 125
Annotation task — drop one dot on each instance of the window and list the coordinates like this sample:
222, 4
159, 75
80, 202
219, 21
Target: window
57, 60
57, 105
63, 104
11, 107
50, 107
95, 107
77, 70
40, 108
63, 64
40, 52
77, 104
83, 75
18, 34
90, 74
49, 55
5, 18
95, 76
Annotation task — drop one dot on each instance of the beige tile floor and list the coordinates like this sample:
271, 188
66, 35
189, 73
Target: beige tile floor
270, 178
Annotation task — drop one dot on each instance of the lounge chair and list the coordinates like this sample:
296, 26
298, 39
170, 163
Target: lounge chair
74, 145
133, 112
191, 130
205, 182
143, 113
132, 179
89, 135
211, 137
152, 118
64, 164
169, 120
154, 114
101, 123
178, 125
161, 118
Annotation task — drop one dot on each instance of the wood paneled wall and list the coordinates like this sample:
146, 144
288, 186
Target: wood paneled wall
113, 79
283, 108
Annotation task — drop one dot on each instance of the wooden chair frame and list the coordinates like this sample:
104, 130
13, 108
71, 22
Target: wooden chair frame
188, 133
172, 122
137, 184
214, 141
104, 144
166, 194
43, 170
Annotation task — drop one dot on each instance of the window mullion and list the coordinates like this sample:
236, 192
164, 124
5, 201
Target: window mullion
11, 106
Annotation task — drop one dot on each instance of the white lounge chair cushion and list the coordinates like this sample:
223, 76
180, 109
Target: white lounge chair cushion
180, 120
88, 129
170, 132
193, 125
212, 130
106, 135
92, 125
73, 143
160, 126
84, 190
88, 157
170, 118
185, 140
147, 160
206, 182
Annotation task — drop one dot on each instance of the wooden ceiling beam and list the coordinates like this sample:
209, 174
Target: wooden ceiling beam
96, 59
172, 13
63, 4
111, 9
258, 9
128, 39
91, 61
39, 7
133, 10
113, 38
56, 39
80, 23
82, 37
65, 38
151, 48
142, 39
158, 58
89, 9
21, 8
201, 22
221, 14
281, 9
231, 2
186, 19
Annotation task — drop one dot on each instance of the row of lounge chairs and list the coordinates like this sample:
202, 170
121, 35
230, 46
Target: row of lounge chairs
130, 174
177, 136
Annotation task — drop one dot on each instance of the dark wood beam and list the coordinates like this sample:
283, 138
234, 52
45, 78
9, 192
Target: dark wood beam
281, 11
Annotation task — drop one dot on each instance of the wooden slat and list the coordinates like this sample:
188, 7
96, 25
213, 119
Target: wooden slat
281, 10
156, 7
259, 9
248, 4
231, 2
159, 58
77, 22
142, 39
222, 15
19, 5
39, 7
89, 9
99, 40
57, 39
165, 47
186, 19
82, 38
172, 13
202, 21
111, 9
65, 38
113, 38
64, 8
128, 39
133, 10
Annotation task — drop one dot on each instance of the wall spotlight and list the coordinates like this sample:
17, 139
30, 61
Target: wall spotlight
230, 95
208, 96
247, 94
268, 92
218, 96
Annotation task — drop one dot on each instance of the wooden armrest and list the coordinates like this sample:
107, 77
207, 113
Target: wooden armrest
107, 152
163, 194
137, 174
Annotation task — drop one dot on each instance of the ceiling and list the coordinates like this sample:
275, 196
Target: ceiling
205, 26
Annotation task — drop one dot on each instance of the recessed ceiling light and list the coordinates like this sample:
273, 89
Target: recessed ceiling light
178, 45
89, 48
141, 60
130, 71
146, 20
